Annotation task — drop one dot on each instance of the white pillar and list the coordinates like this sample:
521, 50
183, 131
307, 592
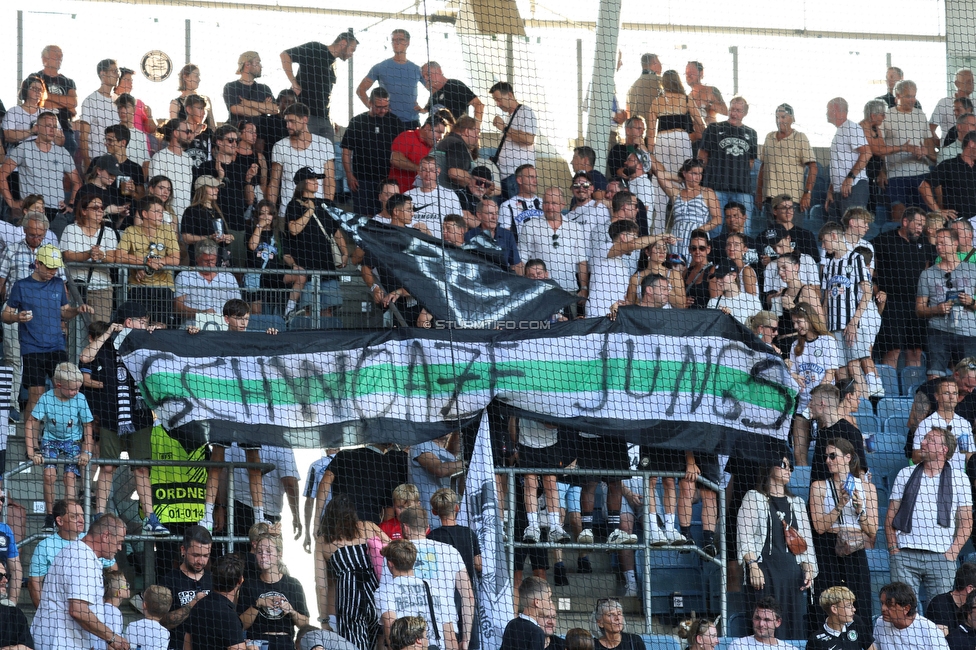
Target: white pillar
601, 86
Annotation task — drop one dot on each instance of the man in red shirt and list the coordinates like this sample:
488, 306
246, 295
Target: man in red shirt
410, 147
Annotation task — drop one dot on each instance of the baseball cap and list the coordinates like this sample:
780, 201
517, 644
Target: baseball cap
206, 181
724, 269
108, 163
250, 55
50, 256
130, 309
774, 235
306, 173
482, 172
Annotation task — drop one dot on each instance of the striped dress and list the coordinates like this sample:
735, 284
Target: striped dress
356, 583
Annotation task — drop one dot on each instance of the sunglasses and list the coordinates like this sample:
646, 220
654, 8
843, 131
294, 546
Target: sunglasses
555, 240
483, 183
948, 281
582, 186
786, 465
833, 455
772, 328
232, 140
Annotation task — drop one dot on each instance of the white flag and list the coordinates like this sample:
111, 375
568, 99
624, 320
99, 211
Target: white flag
480, 512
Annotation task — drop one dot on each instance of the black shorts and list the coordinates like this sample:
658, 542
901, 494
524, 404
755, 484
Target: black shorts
901, 329
39, 366
602, 453
541, 457
538, 558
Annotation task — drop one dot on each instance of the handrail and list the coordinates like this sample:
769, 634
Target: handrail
719, 560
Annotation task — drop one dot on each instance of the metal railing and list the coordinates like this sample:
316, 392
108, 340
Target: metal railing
719, 560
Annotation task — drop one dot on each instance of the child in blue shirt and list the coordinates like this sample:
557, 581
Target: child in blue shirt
65, 421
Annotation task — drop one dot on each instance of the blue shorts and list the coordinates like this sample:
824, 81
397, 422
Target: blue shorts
61, 450
569, 496
904, 190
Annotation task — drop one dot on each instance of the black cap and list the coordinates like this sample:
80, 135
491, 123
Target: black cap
724, 269
482, 172
306, 173
108, 163
774, 235
129, 309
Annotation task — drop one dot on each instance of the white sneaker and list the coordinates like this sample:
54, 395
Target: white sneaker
631, 591
676, 538
207, 522
585, 536
875, 386
658, 538
558, 535
621, 537
532, 534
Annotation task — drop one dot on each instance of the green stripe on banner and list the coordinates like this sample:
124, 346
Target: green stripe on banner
557, 377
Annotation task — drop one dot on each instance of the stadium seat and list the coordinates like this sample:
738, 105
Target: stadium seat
673, 571
661, 642
864, 407
738, 625
889, 379
895, 406
302, 323
800, 482
261, 322
911, 376
870, 425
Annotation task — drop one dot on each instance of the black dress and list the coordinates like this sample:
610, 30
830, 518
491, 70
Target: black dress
696, 287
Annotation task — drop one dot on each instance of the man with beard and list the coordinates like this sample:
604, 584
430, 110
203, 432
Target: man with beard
366, 149
246, 97
189, 583
301, 148
173, 163
316, 77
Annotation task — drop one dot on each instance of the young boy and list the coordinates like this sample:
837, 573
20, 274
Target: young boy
237, 314
65, 422
148, 633
405, 495
116, 590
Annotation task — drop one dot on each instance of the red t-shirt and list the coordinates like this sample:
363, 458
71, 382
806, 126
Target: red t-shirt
414, 149
392, 528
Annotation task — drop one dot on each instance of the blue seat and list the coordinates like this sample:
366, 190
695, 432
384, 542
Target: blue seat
891, 440
884, 468
890, 407
661, 642
738, 625
870, 425
889, 379
800, 482
302, 323
261, 323
911, 376
864, 407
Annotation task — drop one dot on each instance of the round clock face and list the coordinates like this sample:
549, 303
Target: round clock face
156, 65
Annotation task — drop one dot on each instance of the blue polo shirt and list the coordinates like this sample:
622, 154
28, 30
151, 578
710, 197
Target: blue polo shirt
43, 332
505, 240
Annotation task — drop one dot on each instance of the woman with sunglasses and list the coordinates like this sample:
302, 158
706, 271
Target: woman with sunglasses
814, 359
765, 325
845, 503
698, 275
694, 207
657, 258
768, 514
90, 240
608, 626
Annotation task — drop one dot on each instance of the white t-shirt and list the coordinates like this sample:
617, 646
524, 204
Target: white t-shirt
589, 215
960, 428
274, 491
406, 596
316, 155
742, 305
439, 564
112, 617
179, 170
750, 643
645, 189
17, 119
100, 113
843, 153
148, 634
922, 633
809, 274
561, 255
75, 575
202, 295
819, 356
609, 279
899, 128
927, 534
75, 240
430, 208
943, 116
138, 147
521, 210
512, 155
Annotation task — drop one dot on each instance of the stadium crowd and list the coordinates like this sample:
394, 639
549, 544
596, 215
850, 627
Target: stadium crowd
675, 220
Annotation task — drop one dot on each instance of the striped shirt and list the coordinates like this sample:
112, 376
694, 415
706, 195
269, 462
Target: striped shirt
841, 284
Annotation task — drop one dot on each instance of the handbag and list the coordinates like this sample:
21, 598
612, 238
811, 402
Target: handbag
794, 541
849, 540
433, 619
336, 252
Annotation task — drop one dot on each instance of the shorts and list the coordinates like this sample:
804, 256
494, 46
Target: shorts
602, 453
901, 329
138, 444
540, 457
39, 367
61, 450
945, 349
672, 460
569, 496
867, 332
538, 558
904, 190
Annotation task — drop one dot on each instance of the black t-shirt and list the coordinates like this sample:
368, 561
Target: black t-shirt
271, 129
368, 478
202, 221
957, 180
184, 589
804, 242
107, 368
316, 75
627, 642
961, 637
452, 153
311, 248
232, 199
521, 634
268, 254
454, 96
371, 141
899, 264
841, 429
235, 91
463, 539
59, 85
275, 620
199, 148
731, 150
213, 624
942, 610
856, 636
14, 629
617, 158
109, 196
